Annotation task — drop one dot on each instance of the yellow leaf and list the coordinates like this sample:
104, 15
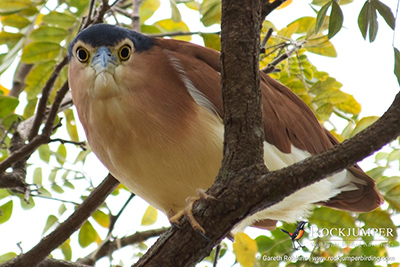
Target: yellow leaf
364, 123
245, 249
150, 216
285, 4
168, 25
5, 90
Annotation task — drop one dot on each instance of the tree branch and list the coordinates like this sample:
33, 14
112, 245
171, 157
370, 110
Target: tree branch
67, 228
110, 246
242, 193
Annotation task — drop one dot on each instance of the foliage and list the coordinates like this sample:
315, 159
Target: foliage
37, 33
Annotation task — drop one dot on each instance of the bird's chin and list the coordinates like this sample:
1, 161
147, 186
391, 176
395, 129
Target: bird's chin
104, 85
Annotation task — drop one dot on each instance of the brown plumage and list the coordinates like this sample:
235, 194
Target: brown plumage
154, 119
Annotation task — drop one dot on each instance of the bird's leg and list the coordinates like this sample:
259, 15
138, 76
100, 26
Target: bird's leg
300, 244
187, 211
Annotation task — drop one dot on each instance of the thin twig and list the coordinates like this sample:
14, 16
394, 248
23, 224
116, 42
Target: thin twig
110, 246
38, 253
45, 96
265, 40
179, 33
81, 144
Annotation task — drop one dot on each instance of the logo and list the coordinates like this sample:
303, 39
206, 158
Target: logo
296, 235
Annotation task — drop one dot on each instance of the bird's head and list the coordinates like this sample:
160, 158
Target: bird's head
102, 58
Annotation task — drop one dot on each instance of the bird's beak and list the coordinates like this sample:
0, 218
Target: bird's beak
104, 61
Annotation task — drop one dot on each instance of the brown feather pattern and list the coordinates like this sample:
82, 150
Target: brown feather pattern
145, 125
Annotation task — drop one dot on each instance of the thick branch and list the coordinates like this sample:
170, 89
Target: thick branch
254, 188
67, 228
240, 39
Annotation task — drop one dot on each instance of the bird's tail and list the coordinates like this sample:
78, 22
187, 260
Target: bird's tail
286, 232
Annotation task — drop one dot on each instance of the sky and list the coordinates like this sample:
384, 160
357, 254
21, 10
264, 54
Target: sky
364, 69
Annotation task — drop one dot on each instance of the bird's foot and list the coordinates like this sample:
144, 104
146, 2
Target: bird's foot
187, 211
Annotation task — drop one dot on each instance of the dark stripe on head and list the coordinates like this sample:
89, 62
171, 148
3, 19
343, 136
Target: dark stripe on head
110, 35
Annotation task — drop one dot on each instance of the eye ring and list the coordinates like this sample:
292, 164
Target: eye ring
124, 52
82, 54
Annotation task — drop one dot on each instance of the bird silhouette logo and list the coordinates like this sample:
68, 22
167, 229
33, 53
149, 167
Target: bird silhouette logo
296, 235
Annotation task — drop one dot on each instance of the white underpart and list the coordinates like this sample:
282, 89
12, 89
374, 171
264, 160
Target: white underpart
297, 205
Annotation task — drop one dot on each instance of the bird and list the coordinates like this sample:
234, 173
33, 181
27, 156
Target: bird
152, 112
297, 234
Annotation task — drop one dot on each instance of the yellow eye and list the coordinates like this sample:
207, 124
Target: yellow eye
82, 54
124, 52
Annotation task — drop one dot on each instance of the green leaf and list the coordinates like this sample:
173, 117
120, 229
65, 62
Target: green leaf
81, 6
44, 153
211, 12
8, 105
321, 86
397, 64
325, 111
51, 220
380, 219
325, 217
71, 125
7, 256
321, 17
363, 18
37, 78
373, 24
4, 193
10, 39
62, 209
59, 19
176, 15
289, 30
61, 154
57, 188
335, 20
101, 218
38, 52
304, 24
87, 235
350, 105
245, 249
150, 216
15, 21
385, 12
12, 6
48, 34
26, 205
321, 46
323, 2
37, 176
30, 108
364, 123
82, 155
388, 183
212, 41
168, 25
394, 155
6, 211
53, 174
147, 9
332, 96
264, 243
66, 250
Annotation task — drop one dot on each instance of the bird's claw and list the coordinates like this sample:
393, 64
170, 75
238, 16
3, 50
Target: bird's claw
187, 211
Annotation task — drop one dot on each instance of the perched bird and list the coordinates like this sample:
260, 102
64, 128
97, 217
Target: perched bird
297, 234
152, 112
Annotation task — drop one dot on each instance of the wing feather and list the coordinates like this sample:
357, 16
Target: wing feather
287, 119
